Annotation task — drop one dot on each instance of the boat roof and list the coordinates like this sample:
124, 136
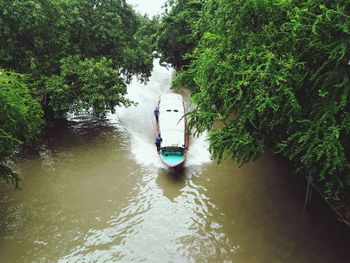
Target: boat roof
171, 120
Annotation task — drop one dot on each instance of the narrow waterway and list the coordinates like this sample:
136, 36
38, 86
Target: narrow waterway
97, 192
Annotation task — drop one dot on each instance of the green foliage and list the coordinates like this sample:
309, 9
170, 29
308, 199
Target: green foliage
146, 40
77, 55
177, 35
20, 118
20, 115
39, 37
89, 84
276, 73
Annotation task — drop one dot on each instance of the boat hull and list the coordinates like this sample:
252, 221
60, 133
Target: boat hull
172, 160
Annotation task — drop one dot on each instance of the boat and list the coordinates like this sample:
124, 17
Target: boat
172, 128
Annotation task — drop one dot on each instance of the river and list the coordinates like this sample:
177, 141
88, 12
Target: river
97, 192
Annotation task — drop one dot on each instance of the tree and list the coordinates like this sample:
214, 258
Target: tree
76, 55
20, 118
89, 84
40, 37
177, 34
276, 73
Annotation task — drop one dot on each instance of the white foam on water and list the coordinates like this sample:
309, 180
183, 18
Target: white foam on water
140, 122
198, 152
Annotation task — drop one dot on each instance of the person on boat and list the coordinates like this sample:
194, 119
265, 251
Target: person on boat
158, 142
156, 113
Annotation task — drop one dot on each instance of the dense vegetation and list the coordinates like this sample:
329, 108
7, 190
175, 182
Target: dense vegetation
276, 73
177, 35
76, 55
20, 118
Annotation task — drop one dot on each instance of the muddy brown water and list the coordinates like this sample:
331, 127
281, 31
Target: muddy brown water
97, 192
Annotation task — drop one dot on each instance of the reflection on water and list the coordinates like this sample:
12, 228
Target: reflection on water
176, 179
169, 218
97, 192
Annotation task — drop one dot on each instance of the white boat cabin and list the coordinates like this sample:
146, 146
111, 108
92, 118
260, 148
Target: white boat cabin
172, 122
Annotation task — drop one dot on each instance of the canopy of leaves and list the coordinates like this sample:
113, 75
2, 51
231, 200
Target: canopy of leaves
176, 34
37, 37
20, 117
77, 55
85, 83
276, 73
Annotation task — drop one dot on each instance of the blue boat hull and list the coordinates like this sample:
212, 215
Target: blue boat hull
172, 160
